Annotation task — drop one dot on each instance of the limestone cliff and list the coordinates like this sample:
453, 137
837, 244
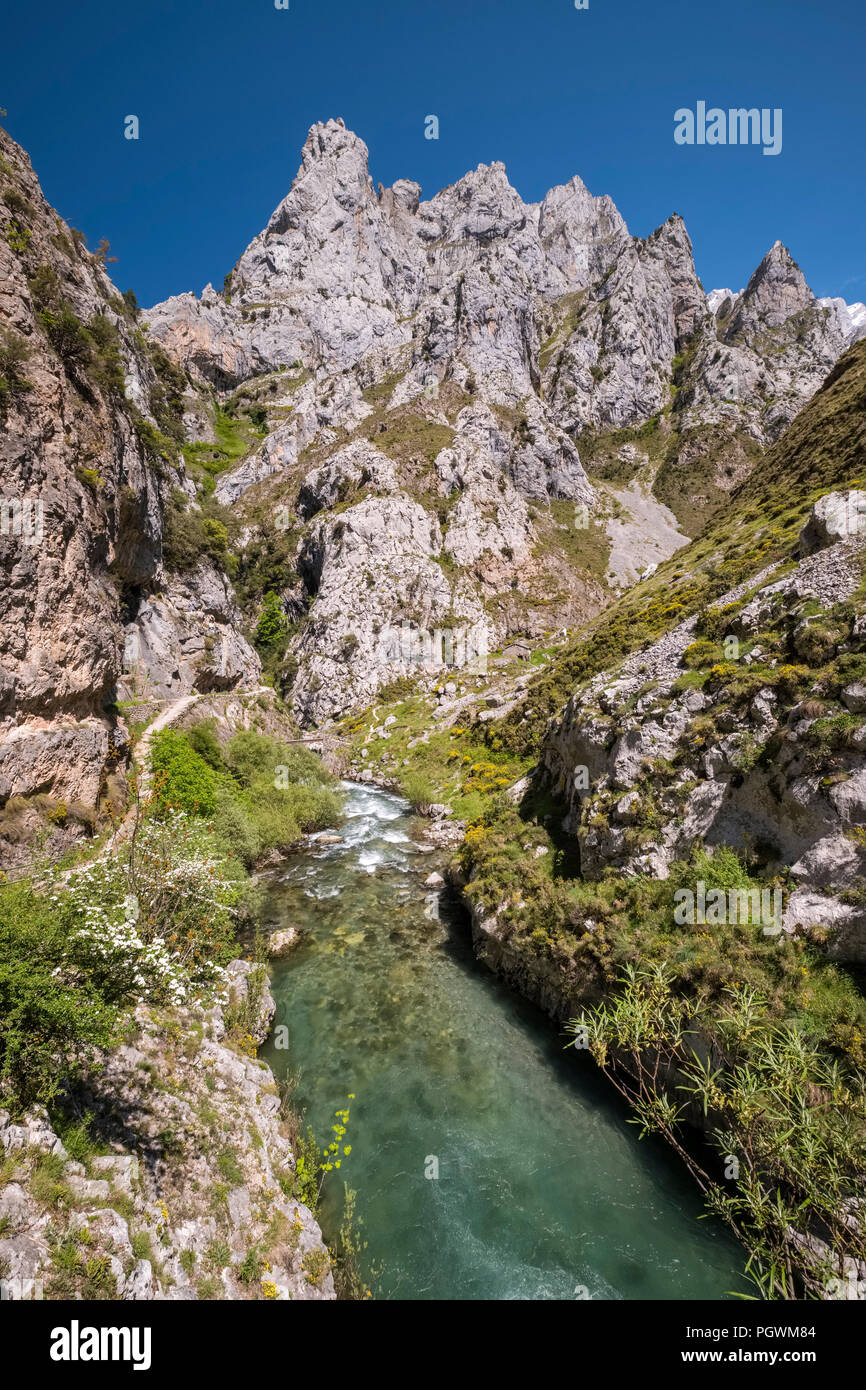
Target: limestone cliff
89, 470
495, 354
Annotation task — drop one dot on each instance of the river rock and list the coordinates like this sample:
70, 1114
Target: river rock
282, 941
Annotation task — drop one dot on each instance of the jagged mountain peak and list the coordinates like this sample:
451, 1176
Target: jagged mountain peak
479, 349
331, 137
776, 290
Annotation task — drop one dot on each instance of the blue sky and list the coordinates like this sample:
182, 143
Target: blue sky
226, 91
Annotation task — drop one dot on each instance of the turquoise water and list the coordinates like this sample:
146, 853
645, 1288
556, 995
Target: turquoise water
544, 1190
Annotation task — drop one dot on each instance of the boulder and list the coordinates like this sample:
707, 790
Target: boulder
834, 517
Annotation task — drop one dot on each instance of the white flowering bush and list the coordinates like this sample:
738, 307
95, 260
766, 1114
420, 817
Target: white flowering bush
155, 918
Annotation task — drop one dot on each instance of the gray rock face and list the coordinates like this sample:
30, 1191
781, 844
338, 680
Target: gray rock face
188, 637
318, 409
359, 464
834, 517
383, 607
468, 282
220, 1102
615, 367
765, 352
84, 493
550, 318
602, 752
80, 512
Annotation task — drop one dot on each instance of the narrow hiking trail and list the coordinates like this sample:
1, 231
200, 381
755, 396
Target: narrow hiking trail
140, 760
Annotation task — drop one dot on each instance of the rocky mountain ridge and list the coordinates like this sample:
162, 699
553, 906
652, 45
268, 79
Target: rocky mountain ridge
536, 336
460, 420
88, 481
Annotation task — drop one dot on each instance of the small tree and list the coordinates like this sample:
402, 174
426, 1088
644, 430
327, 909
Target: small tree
273, 625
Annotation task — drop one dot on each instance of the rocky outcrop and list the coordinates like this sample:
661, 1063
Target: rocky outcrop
472, 283
652, 763
834, 517
522, 328
767, 352
87, 478
82, 499
381, 597
187, 637
192, 1200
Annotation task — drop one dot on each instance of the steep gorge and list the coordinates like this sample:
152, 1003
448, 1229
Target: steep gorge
407, 456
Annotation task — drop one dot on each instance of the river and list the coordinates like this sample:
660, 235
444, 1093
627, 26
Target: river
488, 1162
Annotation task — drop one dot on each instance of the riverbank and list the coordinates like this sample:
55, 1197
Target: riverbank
168, 1167
173, 1175
723, 1014
488, 1161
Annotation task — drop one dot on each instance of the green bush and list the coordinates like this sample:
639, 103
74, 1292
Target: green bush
276, 824
159, 918
107, 365
273, 624
260, 794
191, 533
289, 792
45, 287
67, 336
203, 740
51, 1015
234, 829
701, 653
14, 353
183, 778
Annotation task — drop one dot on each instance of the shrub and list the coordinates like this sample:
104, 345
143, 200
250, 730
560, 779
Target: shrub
203, 740
107, 366
272, 626
15, 201
234, 829
191, 533
281, 805
14, 353
45, 287
261, 794
18, 237
700, 654
67, 336
715, 621
52, 1016
185, 779
230, 1168
160, 918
